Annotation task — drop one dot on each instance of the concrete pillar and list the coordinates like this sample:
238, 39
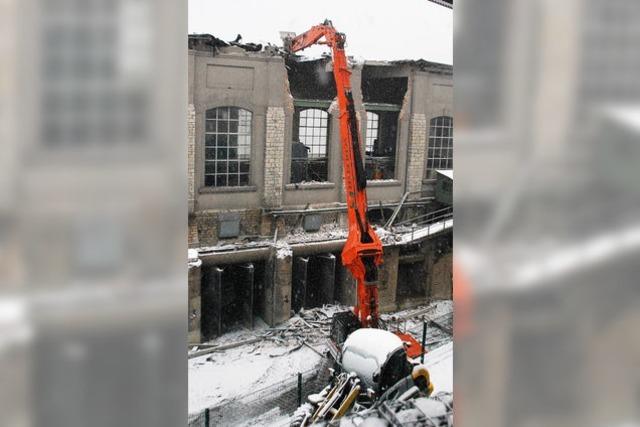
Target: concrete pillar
278, 286
416, 152
274, 157
439, 268
441, 278
388, 280
191, 155
195, 305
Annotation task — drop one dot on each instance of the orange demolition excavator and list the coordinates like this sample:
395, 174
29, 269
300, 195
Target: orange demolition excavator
362, 252
389, 372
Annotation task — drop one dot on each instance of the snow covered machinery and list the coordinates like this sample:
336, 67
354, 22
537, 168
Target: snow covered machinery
374, 372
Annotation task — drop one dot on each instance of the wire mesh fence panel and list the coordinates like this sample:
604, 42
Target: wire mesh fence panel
278, 400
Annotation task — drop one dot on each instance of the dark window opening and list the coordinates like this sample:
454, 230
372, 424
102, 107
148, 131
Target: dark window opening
379, 216
232, 297
309, 150
313, 281
380, 144
311, 79
387, 90
440, 148
345, 285
412, 278
227, 147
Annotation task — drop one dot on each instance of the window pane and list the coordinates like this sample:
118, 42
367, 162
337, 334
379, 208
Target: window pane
228, 136
440, 150
380, 144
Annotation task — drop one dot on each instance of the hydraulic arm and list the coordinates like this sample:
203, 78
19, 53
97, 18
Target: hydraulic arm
362, 252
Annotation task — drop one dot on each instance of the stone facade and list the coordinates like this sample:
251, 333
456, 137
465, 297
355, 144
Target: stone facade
417, 149
261, 84
274, 156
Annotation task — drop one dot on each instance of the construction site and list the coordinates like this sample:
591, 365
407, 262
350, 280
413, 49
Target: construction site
320, 209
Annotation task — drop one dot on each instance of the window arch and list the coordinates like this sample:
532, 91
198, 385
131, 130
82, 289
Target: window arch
310, 153
227, 147
440, 149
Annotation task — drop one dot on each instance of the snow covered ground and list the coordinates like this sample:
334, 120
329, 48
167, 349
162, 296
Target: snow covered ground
439, 362
224, 376
227, 375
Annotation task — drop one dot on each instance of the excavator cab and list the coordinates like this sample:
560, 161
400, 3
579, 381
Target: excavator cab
342, 325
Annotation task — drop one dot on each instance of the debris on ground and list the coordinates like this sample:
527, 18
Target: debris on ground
241, 361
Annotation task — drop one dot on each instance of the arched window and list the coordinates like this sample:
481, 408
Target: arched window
440, 149
309, 153
227, 147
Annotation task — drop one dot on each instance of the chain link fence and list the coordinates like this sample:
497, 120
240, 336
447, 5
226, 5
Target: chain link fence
281, 399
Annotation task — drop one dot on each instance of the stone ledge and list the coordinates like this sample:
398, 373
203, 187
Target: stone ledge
238, 189
383, 183
310, 186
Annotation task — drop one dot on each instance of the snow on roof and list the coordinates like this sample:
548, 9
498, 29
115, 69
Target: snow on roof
427, 230
446, 172
193, 258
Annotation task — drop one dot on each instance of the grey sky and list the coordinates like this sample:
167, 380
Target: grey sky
375, 29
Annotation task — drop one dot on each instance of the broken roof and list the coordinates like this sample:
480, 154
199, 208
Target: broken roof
210, 43
424, 65
214, 45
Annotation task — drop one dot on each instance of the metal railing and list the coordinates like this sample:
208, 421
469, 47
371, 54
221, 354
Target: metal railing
428, 218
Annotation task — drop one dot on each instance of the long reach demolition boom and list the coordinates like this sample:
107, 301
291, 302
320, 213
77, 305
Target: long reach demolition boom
362, 253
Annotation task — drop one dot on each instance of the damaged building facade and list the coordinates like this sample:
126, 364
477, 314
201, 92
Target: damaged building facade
267, 218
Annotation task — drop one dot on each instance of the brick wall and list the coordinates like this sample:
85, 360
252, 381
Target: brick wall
416, 153
206, 225
193, 232
274, 157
